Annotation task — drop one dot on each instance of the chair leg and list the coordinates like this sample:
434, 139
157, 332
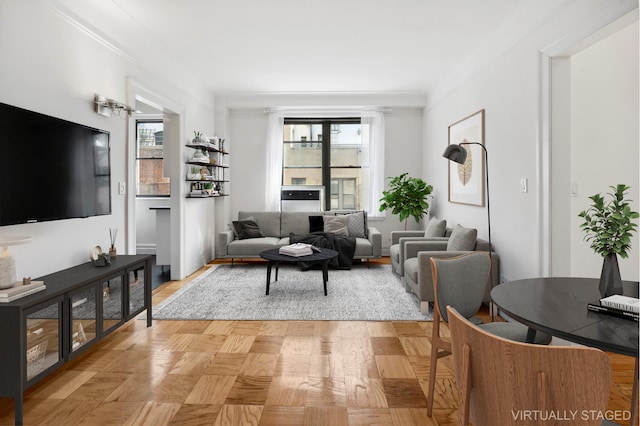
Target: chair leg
425, 308
433, 363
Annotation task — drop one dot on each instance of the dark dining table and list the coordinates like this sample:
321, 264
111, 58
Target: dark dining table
558, 306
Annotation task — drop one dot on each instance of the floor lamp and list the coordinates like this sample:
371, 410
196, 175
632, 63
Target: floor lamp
457, 154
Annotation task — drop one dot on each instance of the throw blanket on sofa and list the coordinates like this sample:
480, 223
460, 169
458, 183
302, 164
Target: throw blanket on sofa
345, 246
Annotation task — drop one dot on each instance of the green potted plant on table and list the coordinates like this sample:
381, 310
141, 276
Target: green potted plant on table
407, 196
608, 226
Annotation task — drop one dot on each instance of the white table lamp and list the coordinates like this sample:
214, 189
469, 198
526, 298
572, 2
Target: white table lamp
7, 261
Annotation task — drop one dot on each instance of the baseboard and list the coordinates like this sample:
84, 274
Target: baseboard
146, 249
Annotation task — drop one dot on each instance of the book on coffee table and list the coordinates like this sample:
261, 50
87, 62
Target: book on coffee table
296, 250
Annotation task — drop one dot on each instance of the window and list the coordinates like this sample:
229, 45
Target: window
151, 181
328, 152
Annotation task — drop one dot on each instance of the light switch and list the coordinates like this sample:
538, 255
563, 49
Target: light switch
122, 188
524, 185
574, 189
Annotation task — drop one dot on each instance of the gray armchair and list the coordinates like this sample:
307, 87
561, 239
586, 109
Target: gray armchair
436, 230
418, 277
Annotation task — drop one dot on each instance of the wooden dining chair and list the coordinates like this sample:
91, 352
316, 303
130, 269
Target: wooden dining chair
461, 282
537, 384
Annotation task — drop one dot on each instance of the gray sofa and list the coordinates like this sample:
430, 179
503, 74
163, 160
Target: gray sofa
277, 226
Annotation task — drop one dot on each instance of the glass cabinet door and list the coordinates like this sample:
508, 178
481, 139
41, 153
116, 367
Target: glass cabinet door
136, 290
43, 339
83, 317
112, 314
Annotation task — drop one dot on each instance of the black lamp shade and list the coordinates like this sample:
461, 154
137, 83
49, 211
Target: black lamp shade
455, 152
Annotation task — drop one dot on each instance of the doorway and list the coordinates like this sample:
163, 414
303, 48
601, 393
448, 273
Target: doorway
594, 118
144, 210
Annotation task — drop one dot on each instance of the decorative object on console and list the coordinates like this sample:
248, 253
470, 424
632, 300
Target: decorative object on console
407, 196
99, 258
465, 179
608, 226
7, 261
113, 235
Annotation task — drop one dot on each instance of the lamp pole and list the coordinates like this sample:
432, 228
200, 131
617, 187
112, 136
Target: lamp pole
458, 154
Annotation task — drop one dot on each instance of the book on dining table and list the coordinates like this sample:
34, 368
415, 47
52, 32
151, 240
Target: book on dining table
624, 303
597, 306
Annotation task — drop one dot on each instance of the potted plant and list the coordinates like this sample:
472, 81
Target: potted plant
407, 196
208, 187
608, 226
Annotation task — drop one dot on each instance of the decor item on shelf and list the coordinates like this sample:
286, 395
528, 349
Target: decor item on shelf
194, 173
200, 138
113, 235
407, 196
208, 187
465, 178
7, 261
199, 156
609, 226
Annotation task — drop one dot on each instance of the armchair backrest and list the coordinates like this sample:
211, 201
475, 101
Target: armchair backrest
461, 282
532, 380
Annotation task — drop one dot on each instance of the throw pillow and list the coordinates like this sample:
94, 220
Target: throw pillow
316, 224
462, 239
336, 224
233, 228
247, 229
436, 228
357, 224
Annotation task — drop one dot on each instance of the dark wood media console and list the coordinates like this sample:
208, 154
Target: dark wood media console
80, 306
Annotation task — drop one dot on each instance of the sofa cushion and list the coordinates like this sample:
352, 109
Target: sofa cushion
394, 252
411, 269
363, 247
436, 228
337, 225
295, 223
316, 224
246, 229
251, 247
462, 239
269, 222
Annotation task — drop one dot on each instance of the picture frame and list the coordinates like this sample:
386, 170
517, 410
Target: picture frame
466, 181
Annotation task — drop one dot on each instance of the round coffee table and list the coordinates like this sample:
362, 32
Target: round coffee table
275, 258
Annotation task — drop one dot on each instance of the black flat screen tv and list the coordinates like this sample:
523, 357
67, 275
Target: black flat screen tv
51, 169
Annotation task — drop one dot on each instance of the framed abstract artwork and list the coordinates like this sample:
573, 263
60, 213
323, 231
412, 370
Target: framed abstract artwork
466, 181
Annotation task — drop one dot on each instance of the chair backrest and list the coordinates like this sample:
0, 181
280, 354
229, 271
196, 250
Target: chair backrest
461, 282
505, 382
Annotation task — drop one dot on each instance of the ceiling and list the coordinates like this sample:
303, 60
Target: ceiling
309, 46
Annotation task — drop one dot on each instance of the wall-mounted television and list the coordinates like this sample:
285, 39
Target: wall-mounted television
51, 169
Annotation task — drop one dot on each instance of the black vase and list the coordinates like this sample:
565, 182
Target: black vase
610, 281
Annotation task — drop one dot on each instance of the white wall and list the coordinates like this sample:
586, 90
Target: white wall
53, 67
508, 90
247, 115
604, 138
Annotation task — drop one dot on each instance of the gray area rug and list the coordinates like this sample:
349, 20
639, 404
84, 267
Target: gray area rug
238, 293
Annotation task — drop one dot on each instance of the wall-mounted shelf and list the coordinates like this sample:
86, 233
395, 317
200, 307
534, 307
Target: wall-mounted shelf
207, 171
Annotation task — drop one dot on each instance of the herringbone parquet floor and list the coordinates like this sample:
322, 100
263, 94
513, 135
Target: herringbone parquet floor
257, 373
